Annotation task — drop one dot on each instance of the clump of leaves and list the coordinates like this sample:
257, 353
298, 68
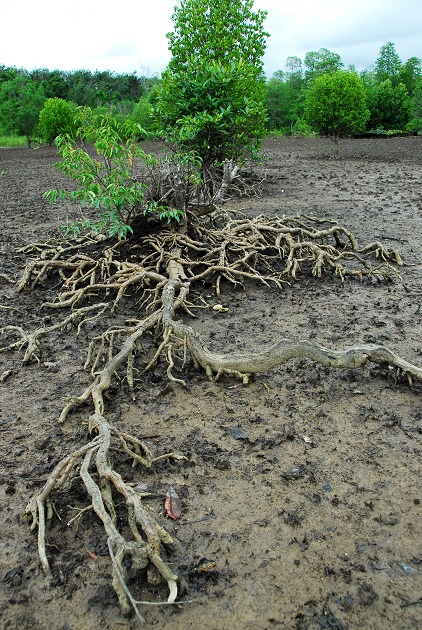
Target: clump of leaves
106, 176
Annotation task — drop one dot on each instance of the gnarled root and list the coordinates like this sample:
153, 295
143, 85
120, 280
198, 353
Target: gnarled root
145, 548
281, 352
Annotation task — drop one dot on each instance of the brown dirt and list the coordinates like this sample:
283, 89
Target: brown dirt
302, 491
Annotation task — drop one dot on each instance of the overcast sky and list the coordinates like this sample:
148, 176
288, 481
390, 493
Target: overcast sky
129, 36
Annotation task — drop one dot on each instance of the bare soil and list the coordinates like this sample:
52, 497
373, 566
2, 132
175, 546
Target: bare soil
302, 491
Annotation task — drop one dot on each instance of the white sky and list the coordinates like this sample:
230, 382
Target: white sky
129, 36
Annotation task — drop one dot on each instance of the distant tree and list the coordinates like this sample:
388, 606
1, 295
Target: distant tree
39, 75
57, 117
212, 95
389, 106
82, 89
388, 64
283, 104
335, 105
130, 87
55, 85
7, 73
416, 108
410, 74
294, 72
293, 65
368, 77
321, 62
21, 101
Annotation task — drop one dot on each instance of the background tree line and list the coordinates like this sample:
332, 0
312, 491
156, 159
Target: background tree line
23, 95
41, 102
392, 91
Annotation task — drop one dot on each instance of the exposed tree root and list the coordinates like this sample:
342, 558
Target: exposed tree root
162, 269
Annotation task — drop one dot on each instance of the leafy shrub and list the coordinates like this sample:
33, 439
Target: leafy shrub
214, 109
301, 128
56, 118
106, 181
142, 115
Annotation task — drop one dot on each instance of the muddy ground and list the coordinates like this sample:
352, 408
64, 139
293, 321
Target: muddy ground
335, 543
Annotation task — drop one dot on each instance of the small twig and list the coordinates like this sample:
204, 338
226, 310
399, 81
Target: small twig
81, 511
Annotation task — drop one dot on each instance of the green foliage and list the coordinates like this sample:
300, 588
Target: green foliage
411, 74
57, 117
217, 30
320, 62
87, 88
12, 141
294, 73
416, 109
389, 106
106, 181
284, 104
7, 73
215, 110
55, 85
21, 101
388, 64
302, 129
335, 104
142, 114
212, 96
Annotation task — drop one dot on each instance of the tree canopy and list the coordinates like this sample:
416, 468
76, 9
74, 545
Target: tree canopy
212, 96
219, 31
335, 104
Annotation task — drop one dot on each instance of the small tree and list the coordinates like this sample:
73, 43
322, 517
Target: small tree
212, 98
21, 101
56, 117
335, 105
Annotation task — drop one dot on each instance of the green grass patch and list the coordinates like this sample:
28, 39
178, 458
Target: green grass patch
13, 141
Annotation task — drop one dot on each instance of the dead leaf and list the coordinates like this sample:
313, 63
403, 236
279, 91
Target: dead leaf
92, 555
205, 566
173, 504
